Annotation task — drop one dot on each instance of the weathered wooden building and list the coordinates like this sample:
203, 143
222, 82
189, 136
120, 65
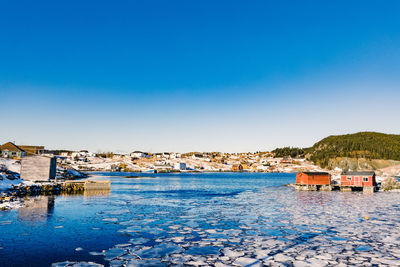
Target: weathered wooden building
32, 150
313, 181
38, 168
358, 180
315, 178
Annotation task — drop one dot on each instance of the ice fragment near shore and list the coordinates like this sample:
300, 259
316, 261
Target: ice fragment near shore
76, 264
114, 253
160, 251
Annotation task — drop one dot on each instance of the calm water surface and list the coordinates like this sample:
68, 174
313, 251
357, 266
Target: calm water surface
209, 219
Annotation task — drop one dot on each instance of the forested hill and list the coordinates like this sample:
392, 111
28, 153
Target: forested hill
369, 145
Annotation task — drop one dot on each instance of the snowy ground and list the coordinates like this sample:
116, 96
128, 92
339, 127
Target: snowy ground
10, 164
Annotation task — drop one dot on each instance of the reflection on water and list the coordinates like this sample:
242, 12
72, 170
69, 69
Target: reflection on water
96, 193
36, 209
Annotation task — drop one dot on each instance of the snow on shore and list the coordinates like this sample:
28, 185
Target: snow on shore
6, 183
10, 164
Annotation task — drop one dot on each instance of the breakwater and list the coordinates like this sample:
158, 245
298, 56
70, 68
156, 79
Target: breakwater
17, 193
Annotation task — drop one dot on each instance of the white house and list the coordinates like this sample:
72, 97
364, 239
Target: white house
138, 154
180, 166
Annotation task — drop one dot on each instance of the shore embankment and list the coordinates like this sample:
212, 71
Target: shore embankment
14, 196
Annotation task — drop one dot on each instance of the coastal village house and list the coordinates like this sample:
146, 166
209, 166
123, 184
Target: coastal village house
180, 166
10, 150
237, 167
38, 168
138, 154
313, 178
358, 179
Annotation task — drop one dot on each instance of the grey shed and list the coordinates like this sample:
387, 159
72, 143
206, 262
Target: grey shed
38, 168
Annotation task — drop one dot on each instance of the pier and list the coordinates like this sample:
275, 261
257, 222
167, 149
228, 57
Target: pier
80, 186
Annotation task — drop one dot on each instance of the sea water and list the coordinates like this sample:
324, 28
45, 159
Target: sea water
210, 219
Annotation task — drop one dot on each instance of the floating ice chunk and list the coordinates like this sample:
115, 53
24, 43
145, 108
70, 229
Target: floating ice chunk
117, 212
62, 264
282, 258
58, 226
232, 254
261, 254
203, 250
196, 263
116, 263
178, 239
78, 249
122, 245
110, 220
131, 229
300, 264
76, 264
220, 264
272, 232
145, 263
114, 253
139, 241
244, 261
95, 253
87, 264
160, 251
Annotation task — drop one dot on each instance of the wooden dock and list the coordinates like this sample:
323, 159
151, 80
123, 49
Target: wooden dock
346, 188
313, 187
80, 186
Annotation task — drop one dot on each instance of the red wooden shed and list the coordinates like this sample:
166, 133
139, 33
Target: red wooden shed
358, 179
313, 178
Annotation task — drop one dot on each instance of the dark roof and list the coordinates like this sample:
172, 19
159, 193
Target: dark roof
371, 173
316, 173
11, 147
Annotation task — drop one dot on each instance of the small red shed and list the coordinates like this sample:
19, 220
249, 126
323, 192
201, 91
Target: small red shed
313, 178
358, 179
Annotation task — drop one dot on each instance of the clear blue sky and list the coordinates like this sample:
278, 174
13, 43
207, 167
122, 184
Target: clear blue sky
196, 75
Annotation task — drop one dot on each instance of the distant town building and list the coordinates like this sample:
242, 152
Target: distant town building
180, 166
287, 160
237, 167
32, 150
10, 150
82, 154
138, 154
38, 168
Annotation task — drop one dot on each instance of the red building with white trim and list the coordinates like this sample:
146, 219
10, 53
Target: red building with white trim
358, 179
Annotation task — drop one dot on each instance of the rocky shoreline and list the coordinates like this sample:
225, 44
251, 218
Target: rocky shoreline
14, 197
